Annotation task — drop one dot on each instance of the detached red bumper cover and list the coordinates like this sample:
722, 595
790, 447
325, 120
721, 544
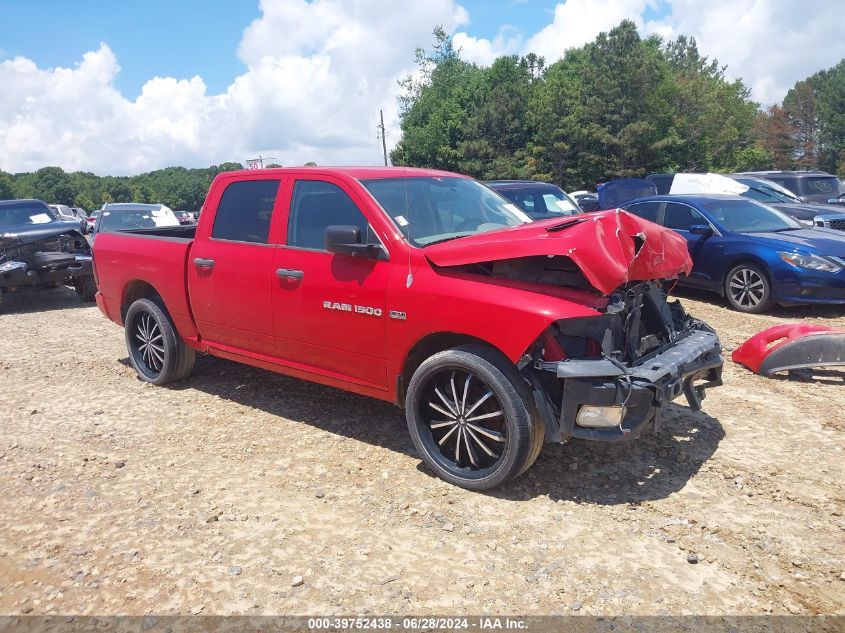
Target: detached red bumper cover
792, 346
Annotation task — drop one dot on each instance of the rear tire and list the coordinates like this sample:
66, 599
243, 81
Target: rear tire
471, 417
156, 350
748, 289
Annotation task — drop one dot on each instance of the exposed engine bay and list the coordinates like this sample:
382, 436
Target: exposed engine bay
608, 377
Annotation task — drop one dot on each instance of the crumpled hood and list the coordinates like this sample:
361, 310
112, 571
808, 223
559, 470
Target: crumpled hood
610, 247
29, 233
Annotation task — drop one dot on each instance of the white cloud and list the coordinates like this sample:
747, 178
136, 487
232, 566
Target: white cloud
770, 44
577, 22
483, 51
314, 92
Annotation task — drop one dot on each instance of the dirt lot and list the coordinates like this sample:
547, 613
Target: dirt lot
241, 491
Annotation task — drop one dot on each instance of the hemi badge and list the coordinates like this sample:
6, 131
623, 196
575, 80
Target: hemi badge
399, 316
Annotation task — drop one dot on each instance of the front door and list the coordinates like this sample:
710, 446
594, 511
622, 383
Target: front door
230, 272
681, 217
329, 310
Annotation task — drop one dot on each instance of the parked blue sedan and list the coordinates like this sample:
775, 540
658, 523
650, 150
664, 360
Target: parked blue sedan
750, 253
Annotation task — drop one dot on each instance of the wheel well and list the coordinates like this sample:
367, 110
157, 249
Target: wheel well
136, 290
426, 347
742, 260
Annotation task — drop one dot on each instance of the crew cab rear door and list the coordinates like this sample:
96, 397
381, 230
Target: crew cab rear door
329, 310
230, 266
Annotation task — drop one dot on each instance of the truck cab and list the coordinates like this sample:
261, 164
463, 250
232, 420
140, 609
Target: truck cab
423, 288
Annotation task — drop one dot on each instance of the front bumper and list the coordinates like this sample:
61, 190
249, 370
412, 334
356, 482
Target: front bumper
26, 276
689, 365
810, 287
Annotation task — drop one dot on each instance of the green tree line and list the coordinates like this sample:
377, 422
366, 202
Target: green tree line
619, 106
177, 187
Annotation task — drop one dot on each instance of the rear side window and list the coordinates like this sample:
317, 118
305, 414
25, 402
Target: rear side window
245, 211
645, 210
317, 205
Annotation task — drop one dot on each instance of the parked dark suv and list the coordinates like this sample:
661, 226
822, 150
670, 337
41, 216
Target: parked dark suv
810, 186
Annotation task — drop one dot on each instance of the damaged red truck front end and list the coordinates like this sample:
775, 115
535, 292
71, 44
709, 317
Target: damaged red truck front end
606, 375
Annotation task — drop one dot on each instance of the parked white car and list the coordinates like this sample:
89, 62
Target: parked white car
66, 214
119, 216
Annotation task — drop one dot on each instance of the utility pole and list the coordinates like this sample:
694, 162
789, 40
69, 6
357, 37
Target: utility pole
383, 136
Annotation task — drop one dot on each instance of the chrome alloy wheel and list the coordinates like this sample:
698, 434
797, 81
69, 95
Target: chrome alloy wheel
148, 345
465, 421
747, 288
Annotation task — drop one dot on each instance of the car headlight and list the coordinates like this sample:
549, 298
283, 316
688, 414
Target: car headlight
9, 266
811, 262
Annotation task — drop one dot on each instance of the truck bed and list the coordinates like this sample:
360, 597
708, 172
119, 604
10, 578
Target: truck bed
128, 261
172, 232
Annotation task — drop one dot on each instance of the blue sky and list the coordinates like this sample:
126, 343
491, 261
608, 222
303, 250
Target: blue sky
183, 38
176, 38
124, 87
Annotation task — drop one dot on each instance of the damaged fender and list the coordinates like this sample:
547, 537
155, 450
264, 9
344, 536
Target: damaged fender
792, 346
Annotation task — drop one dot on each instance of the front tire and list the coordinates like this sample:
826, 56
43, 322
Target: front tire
86, 289
471, 419
156, 350
747, 289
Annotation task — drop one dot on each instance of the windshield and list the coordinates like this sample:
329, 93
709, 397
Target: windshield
438, 208
766, 191
25, 213
122, 219
748, 216
541, 203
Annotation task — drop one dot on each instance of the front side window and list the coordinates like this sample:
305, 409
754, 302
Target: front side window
431, 209
681, 217
791, 184
245, 211
317, 205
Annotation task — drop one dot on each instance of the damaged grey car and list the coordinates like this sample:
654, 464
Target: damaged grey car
37, 250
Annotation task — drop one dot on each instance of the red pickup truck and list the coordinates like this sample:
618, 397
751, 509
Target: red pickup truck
427, 289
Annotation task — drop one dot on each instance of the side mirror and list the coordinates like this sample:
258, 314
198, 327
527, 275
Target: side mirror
344, 239
588, 205
701, 229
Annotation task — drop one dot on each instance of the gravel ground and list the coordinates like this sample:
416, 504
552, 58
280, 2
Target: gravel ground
240, 491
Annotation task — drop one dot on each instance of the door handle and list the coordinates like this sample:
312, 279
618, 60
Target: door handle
203, 262
289, 273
